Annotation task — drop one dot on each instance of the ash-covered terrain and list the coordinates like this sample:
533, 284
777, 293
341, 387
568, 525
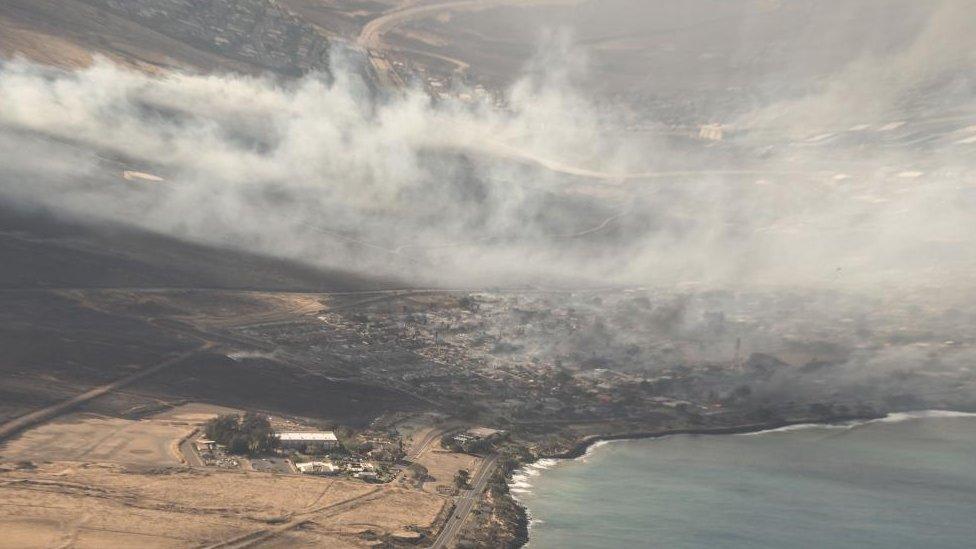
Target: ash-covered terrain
456, 237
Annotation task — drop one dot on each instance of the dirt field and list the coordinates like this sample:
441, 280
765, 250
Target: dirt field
96, 481
87, 437
195, 413
84, 505
212, 309
96, 438
443, 465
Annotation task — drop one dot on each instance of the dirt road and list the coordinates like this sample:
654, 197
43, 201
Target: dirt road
258, 536
16, 425
189, 453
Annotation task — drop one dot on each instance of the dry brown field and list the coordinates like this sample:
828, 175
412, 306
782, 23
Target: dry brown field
103, 505
88, 437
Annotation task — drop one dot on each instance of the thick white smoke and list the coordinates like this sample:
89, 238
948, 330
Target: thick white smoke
550, 188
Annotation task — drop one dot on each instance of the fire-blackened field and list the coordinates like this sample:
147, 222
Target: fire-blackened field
60, 342
65, 330
55, 347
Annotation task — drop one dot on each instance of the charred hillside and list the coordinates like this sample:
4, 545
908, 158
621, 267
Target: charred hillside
257, 32
43, 251
250, 36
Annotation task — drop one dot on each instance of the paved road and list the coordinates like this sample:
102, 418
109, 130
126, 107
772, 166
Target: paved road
464, 504
419, 451
371, 37
16, 425
190, 453
272, 465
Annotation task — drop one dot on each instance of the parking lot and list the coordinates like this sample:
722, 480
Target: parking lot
272, 465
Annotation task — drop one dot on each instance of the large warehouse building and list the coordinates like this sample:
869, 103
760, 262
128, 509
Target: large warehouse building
299, 440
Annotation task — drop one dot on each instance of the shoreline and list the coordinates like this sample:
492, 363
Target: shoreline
522, 523
581, 448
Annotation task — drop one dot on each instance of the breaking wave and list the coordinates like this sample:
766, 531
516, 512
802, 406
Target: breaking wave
895, 417
593, 447
520, 483
923, 414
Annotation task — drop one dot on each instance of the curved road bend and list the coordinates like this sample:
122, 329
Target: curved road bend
371, 37
189, 452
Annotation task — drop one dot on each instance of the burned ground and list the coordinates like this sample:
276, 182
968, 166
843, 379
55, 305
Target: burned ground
55, 348
42, 251
83, 305
245, 36
271, 385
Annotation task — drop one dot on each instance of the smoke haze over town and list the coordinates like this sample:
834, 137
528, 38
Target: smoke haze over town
346, 273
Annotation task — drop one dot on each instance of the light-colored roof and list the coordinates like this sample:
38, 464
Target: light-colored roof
313, 465
483, 432
308, 436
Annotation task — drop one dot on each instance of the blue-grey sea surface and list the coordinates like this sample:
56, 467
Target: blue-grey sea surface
908, 480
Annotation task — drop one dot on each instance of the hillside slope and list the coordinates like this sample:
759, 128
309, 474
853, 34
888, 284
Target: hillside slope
41, 251
248, 36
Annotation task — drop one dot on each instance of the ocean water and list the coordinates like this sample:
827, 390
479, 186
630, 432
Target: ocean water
908, 480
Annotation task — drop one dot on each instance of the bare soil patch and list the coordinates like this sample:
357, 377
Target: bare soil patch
88, 437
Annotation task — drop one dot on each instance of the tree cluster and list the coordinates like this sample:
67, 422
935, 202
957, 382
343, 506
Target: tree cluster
248, 434
473, 446
462, 478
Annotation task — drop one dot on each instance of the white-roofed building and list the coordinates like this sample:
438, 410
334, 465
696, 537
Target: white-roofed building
299, 440
317, 468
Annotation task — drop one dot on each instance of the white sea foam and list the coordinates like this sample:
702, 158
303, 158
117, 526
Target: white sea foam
521, 484
923, 414
802, 427
895, 417
593, 447
543, 464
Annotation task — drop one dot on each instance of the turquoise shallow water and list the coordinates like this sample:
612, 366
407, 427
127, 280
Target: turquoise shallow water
908, 481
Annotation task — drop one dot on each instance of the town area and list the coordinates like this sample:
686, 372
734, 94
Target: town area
394, 417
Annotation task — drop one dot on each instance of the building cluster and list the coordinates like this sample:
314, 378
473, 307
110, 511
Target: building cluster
524, 358
309, 441
370, 455
259, 32
215, 455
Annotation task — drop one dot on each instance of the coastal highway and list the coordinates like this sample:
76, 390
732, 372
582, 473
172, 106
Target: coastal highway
464, 504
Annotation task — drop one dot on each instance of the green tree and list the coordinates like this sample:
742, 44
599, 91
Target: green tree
462, 478
247, 434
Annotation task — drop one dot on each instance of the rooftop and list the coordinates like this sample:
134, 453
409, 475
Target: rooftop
307, 436
483, 432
